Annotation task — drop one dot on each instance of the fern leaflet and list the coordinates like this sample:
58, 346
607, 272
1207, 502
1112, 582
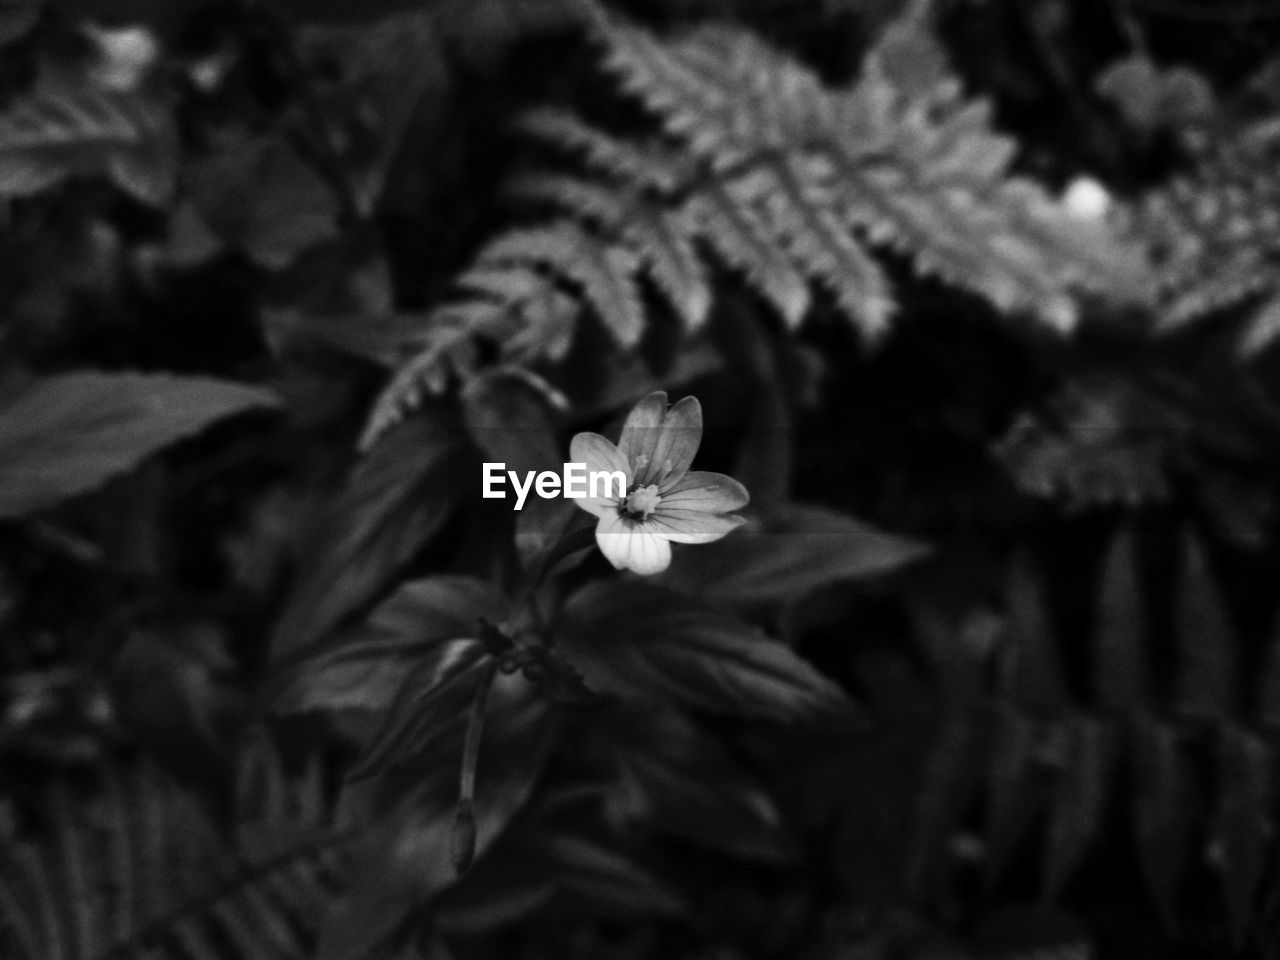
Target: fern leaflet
790, 182
138, 868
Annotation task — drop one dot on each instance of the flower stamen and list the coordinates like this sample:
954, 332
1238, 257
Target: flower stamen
641, 502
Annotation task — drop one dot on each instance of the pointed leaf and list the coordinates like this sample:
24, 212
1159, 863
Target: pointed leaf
1206, 642
1120, 667
364, 668
1039, 680
641, 642
1161, 811
791, 551
432, 698
508, 420
1013, 796
66, 434
678, 779
533, 866
1242, 829
263, 198
396, 500
1079, 804
949, 783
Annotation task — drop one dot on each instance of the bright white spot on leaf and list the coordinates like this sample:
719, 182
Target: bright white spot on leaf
1085, 197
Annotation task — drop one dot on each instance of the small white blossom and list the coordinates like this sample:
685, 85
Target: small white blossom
1086, 198
664, 501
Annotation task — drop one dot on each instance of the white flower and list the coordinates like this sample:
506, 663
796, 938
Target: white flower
664, 501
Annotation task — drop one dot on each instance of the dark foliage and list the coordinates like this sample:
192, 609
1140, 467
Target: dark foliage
980, 300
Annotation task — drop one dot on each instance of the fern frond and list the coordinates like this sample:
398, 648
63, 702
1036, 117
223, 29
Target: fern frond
604, 272
598, 202
138, 866
790, 182
666, 248
68, 126
824, 248
737, 235
723, 92
627, 161
917, 168
449, 347
510, 302
663, 245
1218, 232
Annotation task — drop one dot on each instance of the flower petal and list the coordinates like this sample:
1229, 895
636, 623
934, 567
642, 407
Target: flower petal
692, 526
678, 441
599, 454
660, 443
705, 491
640, 432
632, 546
599, 506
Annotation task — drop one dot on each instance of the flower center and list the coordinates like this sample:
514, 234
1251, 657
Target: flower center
641, 502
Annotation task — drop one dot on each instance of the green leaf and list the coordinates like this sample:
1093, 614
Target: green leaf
1261, 330
1120, 670
1079, 805
1242, 828
262, 198
1162, 812
138, 867
508, 420
1037, 668
357, 541
1151, 98
382, 338
433, 695
893, 159
383, 70
949, 782
737, 235
67, 434
675, 779
1013, 794
605, 273
538, 864
788, 553
17, 17
1205, 677
406, 860
1101, 440
641, 642
69, 126
365, 667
